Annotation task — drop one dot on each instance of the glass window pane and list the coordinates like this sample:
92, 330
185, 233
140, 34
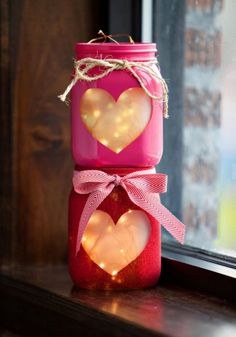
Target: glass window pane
209, 125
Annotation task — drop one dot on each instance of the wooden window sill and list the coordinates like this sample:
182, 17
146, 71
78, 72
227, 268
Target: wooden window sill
42, 302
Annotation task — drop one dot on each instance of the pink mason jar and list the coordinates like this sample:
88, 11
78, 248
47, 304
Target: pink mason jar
115, 121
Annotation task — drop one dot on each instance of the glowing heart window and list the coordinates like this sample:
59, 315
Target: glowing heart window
113, 246
115, 124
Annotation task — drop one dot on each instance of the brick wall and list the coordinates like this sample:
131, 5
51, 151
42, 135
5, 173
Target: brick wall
202, 118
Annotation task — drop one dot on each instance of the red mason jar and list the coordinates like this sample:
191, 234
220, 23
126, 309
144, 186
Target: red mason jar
121, 245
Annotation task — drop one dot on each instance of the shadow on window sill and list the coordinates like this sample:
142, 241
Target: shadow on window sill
43, 302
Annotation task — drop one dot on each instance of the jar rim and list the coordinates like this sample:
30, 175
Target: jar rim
124, 50
113, 45
121, 171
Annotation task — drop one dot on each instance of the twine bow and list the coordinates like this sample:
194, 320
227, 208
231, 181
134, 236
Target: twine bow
142, 189
83, 67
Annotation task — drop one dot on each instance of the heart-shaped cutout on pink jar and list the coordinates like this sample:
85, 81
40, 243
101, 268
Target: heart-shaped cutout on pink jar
115, 124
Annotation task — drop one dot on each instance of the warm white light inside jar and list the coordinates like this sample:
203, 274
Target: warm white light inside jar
113, 246
115, 124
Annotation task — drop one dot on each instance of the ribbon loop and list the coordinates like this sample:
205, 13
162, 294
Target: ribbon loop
148, 182
142, 189
85, 182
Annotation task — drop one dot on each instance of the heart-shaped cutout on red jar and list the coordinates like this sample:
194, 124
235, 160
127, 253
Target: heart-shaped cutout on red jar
113, 246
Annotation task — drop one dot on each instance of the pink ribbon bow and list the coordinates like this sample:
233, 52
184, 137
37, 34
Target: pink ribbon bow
142, 190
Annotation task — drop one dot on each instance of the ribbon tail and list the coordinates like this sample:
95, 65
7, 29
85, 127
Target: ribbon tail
92, 203
150, 203
173, 225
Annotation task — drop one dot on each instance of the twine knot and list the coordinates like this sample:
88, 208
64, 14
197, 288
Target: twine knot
124, 64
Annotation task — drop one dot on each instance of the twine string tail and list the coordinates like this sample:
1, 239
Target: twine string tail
106, 37
83, 67
142, 189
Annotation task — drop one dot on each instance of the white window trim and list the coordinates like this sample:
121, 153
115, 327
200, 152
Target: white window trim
147, 14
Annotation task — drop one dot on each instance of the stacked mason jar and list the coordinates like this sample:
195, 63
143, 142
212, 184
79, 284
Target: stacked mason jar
117, 129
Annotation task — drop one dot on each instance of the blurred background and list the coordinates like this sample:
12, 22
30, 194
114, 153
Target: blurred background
208, 125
